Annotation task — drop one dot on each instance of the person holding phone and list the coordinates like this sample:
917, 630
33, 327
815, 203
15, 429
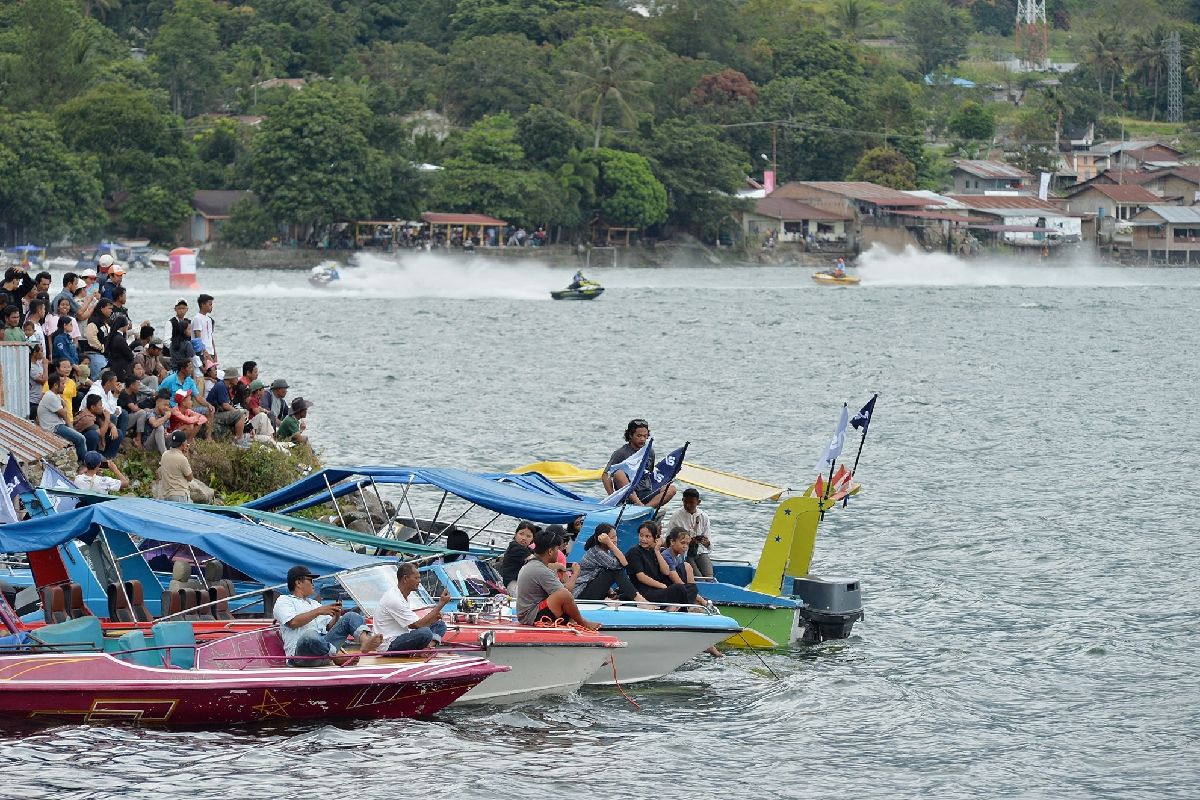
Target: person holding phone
314, 632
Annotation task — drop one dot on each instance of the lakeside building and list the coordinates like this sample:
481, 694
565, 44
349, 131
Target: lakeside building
1165, 234
979, 177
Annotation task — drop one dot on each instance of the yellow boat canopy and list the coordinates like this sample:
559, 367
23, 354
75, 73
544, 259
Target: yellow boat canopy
703, 477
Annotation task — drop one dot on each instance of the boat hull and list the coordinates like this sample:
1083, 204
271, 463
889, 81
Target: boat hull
651, 653
776, 626
84, 687
832, 280
542, 661
577, 294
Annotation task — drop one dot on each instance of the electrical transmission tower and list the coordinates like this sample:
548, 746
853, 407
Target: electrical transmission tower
1033, 34
1174, 78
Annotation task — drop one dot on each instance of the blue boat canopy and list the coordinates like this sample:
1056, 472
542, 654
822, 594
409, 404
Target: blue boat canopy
263, 553
529, 496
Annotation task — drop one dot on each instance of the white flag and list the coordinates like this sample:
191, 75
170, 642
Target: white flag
53, 479
834, 448
1044, 187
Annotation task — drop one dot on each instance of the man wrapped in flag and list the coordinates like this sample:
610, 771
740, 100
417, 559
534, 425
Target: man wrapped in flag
619, 471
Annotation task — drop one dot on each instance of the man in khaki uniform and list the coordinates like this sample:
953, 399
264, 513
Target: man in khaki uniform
175, 471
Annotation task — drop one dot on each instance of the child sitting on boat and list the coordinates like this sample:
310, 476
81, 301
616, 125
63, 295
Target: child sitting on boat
516, 555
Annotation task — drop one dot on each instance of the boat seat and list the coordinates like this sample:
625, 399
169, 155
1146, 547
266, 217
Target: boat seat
54, 604
75, 606
169, 604
136, 641
118, 604
220, 595
82, 635
190, 599
181, 639
137, 601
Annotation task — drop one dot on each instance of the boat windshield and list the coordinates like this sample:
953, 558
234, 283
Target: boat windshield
366, 586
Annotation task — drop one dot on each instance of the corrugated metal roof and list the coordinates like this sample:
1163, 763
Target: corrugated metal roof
26, 440
991, 169
933, 198
1176, 214
990, 201
788, 210
1126, 193
869, 193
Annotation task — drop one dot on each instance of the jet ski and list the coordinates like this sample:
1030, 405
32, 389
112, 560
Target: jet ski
580, 289
836, 280
325, 273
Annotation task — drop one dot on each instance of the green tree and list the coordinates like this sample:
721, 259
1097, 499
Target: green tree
886, 167
249, 225
46, 191
699, 29
937, 31
53, 53
973, 121
310, 162
815, 141
486, 173
1104, 57
185, 52
607, 71
699, 170
854, 17
627, 193
494, 74
547, 136
154, 212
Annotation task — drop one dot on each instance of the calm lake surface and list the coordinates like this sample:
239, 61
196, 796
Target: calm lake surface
1026, 537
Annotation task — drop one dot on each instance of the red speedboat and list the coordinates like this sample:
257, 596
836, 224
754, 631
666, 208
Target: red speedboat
67, 672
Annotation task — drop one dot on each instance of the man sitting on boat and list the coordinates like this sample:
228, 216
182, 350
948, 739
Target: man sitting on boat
398, 624
315, 633
839, 269
541, 596
636, 434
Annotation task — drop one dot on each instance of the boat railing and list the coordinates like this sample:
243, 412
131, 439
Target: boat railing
425, 654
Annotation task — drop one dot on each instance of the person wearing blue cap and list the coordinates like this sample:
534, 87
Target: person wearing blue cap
91, 480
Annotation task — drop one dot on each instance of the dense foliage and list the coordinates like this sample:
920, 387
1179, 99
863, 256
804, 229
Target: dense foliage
566, 114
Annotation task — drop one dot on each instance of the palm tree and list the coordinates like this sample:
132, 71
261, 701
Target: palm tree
853, 17
1193, 67
609, 70
1104, 56
1149, 59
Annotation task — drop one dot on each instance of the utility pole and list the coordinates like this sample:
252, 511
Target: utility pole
1174, 78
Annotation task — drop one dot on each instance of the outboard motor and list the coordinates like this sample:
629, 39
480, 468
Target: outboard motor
831, 606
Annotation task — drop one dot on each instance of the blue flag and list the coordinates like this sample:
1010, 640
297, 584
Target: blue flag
14, 485
834, 448
634, 468
863, 418
666, 470
53, 479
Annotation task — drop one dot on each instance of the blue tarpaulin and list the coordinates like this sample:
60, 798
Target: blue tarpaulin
528, 496
265, 554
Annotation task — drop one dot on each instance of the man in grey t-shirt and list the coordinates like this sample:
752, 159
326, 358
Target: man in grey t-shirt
541, 597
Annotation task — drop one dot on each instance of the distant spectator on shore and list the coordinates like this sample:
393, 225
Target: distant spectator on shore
242, 388
63, 368
202, 325
151, 359
116, 348
292, 428
116, 274
53, 416
175, 471
260, 423
12, 324
227, 416
274, 403
62, 344
181, 334
90, 479
154, 432
182, 378
183, 418
70, 282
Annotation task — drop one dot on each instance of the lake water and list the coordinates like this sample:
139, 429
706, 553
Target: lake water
1025, 538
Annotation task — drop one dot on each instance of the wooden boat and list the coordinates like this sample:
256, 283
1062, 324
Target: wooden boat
589, 290
68, 671
829, 279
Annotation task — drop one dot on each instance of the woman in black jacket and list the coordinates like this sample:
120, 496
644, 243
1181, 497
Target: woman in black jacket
649, 572
117, 350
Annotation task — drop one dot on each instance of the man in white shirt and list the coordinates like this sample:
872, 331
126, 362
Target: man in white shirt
695, 522
397, 622
91, 480
315, 633
202, 325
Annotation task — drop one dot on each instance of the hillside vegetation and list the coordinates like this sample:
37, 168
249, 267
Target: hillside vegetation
563, 113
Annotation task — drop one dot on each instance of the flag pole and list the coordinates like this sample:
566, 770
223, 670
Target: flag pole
861, 441
828, 489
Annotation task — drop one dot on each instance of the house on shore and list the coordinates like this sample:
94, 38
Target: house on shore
979, 177
1122, 201
1022, 220
793, 221
876, 214
1164, 234
210, 210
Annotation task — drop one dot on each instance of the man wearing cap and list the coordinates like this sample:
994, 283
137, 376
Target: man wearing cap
314, 634
291, 429
175, 471
89, 281
274, 403
226, 415
91, 480
115, 276
260, 423
151, 359
183, 418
